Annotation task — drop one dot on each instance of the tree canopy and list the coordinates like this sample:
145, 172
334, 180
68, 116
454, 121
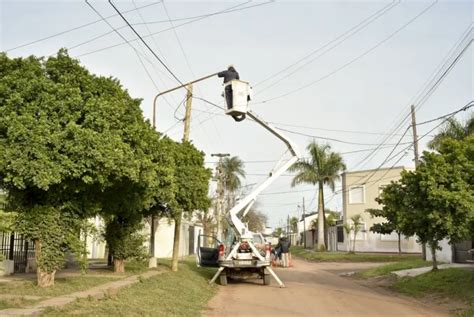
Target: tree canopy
72, 145
322, 168
437, 200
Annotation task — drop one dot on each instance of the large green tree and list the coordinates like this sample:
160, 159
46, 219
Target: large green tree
232, 169
67, 139
192, 187
437, 200
391, 217
453, 129
322, 168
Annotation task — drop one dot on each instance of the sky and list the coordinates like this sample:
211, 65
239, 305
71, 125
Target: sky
370, 62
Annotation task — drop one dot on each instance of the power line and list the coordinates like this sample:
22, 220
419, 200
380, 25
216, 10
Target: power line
121, 27
77, 27
185, 55
346, 35
326, 138
466, 107
104, 19
324, 129
354, 59
427, 87
145, 43
225, 11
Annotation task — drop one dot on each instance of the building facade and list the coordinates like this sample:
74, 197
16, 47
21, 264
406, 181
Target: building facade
359, 190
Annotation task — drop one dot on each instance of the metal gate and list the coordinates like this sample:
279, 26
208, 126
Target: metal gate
191, 250
15, 247
464, 252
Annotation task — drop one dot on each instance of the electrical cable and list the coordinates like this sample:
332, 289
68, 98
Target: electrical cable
225, 11
146, 44
346, 35
77, 28
328, 139
352, 60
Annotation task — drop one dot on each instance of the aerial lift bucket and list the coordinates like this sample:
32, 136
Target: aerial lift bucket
241, 94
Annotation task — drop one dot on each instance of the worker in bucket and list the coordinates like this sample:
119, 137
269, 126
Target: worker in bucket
228, 75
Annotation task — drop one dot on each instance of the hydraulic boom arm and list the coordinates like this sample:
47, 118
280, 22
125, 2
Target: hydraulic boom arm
245, 204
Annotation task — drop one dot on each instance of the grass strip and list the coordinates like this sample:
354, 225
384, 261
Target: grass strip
317, 256
454, 283
389, 268
182, 293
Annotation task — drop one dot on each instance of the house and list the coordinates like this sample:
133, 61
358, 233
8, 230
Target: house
359, 190
164, 236
304, 230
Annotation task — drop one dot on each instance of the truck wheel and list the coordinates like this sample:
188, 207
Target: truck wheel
223, 279
267, 279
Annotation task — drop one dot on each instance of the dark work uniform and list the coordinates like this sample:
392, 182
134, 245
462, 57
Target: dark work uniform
228, 75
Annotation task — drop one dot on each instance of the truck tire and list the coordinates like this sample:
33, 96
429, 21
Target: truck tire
223, 279
267, 279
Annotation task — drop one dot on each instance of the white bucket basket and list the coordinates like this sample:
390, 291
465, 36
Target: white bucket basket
241, 92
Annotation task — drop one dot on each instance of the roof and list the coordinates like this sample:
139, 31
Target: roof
377, 169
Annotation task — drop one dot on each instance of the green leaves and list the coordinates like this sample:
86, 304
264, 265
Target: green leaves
437, 200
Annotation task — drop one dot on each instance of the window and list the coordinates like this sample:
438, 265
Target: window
356, 195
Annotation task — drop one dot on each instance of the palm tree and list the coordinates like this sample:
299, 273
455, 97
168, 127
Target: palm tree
453, 129
232, 169
322, 168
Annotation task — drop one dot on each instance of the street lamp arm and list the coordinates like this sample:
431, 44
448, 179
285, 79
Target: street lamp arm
173, 89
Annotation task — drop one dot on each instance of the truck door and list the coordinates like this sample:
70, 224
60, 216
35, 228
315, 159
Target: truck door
207, 251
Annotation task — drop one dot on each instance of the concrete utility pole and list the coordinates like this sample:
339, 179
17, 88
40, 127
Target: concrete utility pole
220, 193
288, 231
187, 118
417, 159
304, 225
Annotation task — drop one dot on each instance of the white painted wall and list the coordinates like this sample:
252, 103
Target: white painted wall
443, 255
356, 204
163, 239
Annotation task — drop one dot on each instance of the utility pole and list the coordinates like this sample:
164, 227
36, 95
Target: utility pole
220, 192
179, 217
187, 118
304, 226
288, 226
417, 159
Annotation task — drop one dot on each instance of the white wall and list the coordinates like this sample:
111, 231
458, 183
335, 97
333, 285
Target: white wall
163, 239
165, 234
443, 255
368, 241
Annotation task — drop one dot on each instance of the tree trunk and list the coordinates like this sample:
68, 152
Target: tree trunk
44, 278
177, 231
433, 255
354, 242
324, 217
321, 245
119, 266
399, 244
152, 262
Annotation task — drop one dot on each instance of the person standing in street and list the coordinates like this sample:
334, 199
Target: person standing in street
284, 245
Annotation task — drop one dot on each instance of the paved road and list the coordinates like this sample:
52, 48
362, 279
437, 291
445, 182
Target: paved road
312, 289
